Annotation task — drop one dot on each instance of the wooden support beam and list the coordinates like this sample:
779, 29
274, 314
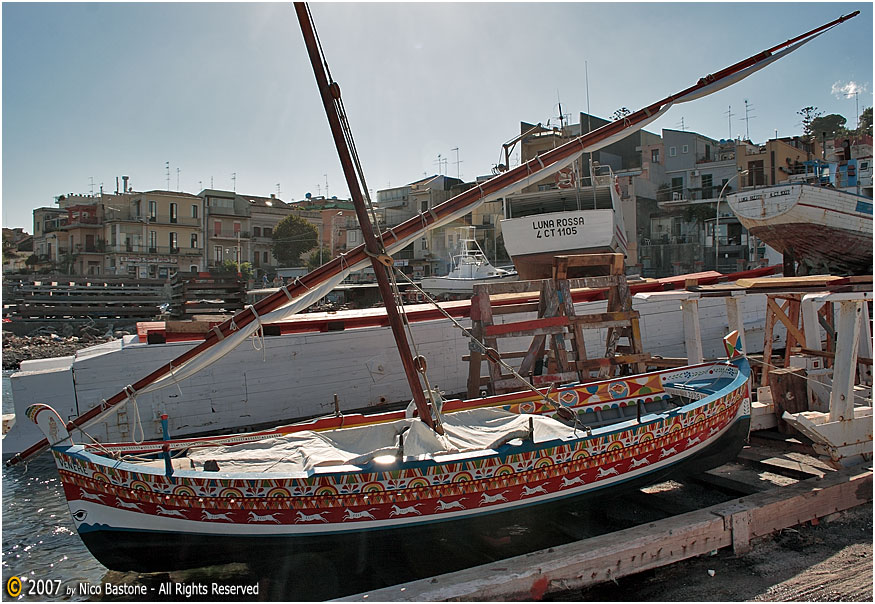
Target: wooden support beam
608, 557
547, 325
792, 330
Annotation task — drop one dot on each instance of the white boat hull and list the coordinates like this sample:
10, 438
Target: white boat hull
461, 285
825, 228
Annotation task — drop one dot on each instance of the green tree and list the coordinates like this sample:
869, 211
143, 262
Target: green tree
315, 259
865, 122
230, 267
292, 237
809, 114
833, 125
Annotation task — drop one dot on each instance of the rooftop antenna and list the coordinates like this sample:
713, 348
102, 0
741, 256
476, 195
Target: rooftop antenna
318, 189
441, 163
730, 114
234, 181
92, 185
857, 104
167, 165
747, 117
278, 190
326, 184
211, 182
177, 179
200, 185
458, 161
683, 129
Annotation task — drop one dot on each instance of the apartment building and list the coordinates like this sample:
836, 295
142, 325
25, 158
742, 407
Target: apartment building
227, 227
153, 234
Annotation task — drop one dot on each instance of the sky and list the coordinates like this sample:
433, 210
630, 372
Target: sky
225, 93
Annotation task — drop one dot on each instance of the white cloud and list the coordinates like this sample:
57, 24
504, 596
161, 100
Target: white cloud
848, 90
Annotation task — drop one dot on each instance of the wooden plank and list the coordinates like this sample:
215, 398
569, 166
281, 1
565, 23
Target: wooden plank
511, 383
768, 339
620, 359
789, 393
608, 557
587, 260
532, 326
789, 282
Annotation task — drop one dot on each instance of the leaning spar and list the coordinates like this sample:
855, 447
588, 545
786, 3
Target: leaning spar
306, 289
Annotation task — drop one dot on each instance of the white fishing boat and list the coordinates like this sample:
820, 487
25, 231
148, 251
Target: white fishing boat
470, 267
821, 222
538, 226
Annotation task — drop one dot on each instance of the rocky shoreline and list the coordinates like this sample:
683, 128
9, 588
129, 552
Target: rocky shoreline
23, 348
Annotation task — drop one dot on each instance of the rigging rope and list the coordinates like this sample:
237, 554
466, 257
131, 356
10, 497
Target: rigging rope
482, 349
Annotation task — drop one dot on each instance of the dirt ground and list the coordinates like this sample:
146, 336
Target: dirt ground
827, 562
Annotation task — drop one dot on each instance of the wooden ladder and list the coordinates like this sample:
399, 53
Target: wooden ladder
556, 323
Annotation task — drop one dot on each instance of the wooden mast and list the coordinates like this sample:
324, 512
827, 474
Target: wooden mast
407, 229
330, 93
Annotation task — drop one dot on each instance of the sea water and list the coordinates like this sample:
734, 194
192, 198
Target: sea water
40, 544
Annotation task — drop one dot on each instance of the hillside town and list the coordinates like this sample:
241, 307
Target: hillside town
670, 186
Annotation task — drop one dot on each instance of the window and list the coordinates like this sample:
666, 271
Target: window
256, 231
153, 241
172, 212
217, 253
153, 211
423, 205
174, 242
424, 243
264, 257
217, 228
654, 156
707, 186
672, 151
193, 211
267, 231
194, 241
236, 227
677, 187
193, 267
685, 149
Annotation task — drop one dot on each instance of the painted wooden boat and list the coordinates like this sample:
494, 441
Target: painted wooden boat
823, 228
315, 487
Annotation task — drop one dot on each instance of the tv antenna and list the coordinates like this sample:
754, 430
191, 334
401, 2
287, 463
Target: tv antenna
441, 163
177, 179
458, 161
683, 128
730, 114
747, 117
234, 181
167, 166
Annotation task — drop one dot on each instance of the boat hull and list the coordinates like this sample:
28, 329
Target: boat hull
459, 285
824, 228
317, 508
533, 241
149, 551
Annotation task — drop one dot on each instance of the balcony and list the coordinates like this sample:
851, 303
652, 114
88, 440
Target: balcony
82, 221
161, 250
229, 234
